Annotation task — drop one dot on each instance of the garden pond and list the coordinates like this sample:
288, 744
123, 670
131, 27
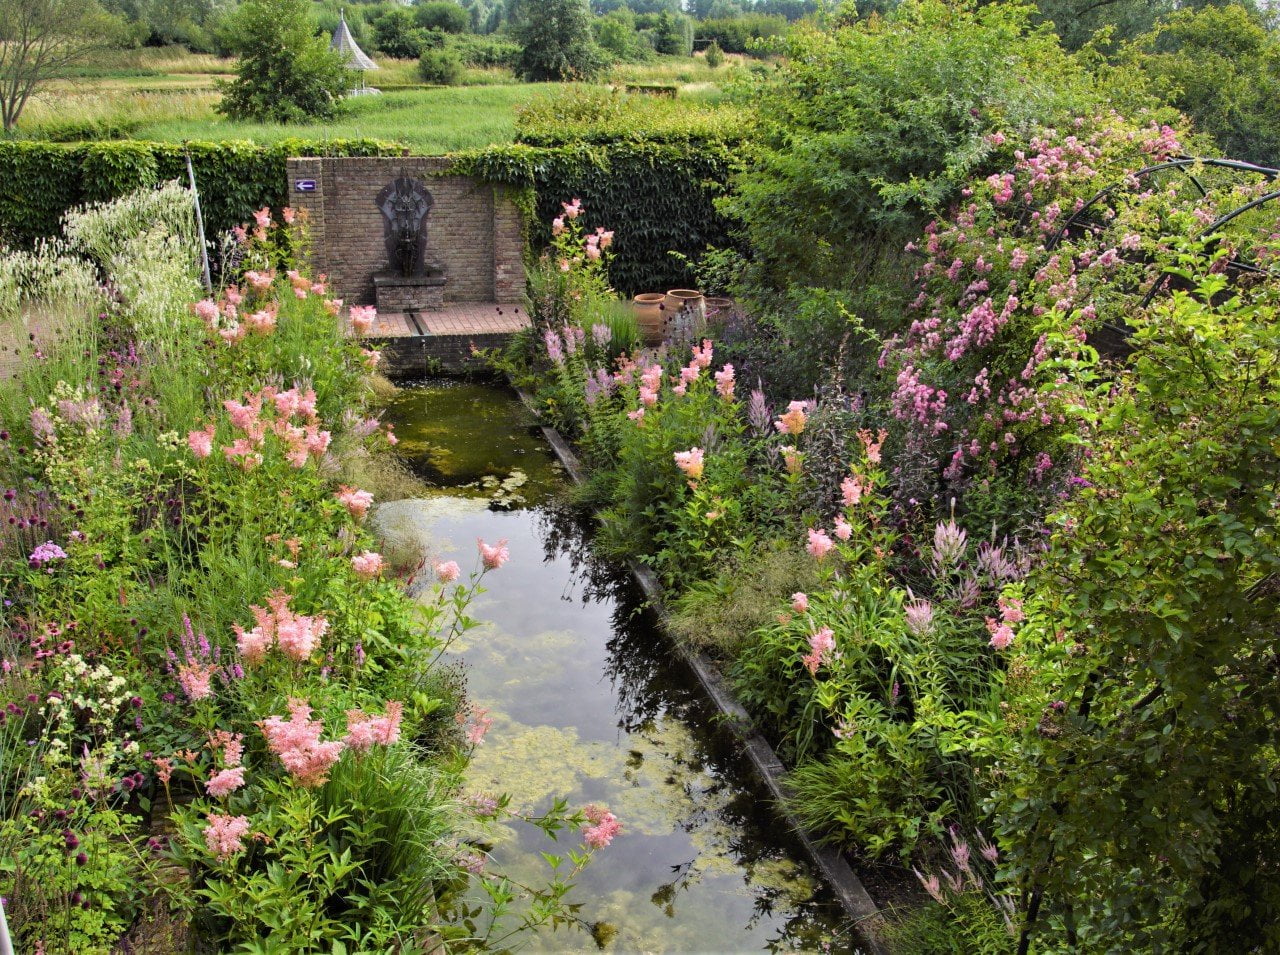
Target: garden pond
589, 703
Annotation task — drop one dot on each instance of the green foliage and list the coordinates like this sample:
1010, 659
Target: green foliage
39, 182
847, 170
656, 197
396, 33
485, 52
616, 33
1139, 748
587, 114
556, 41
287, 73
441, 67
673, 34
714, 55
722, 613
443, 15
1221, 67
741, 34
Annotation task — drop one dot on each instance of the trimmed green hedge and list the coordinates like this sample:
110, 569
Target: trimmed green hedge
39, 181
656, 197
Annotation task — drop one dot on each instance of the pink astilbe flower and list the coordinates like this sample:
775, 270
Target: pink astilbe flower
495, 555
356, 502
690, 462
1001, 633
800, 602
196, 680
1011, 610
871, 445
365, 730
363, 318
297, 742
201, 442
223, 834
725, 382
792, 459
477, 725
821, 646
448, 571
702, 356
794, 419
299, 636
601, 828
844, 530
819, 543
229, 747
367, 565
851, 490
932, 885
224, 782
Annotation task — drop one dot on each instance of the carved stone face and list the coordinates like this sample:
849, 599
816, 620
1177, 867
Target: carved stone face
405, 204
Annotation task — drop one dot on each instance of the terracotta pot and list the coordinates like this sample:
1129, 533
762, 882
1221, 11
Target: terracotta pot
649, 316
686, 299
718, 306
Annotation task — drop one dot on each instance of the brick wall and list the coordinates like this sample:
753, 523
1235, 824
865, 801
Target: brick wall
473, 228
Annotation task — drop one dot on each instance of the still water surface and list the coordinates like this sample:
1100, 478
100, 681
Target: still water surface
590, 703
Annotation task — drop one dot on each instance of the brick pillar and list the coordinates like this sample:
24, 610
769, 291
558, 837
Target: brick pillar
508, 248
312, 203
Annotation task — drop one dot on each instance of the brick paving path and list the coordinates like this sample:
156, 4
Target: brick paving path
460, 318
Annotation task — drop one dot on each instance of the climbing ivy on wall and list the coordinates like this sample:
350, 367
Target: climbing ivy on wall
656, 197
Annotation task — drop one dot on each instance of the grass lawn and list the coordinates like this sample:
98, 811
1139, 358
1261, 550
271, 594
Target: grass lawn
170, 96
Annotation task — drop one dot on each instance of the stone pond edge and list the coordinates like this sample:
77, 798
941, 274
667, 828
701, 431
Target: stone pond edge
844, 882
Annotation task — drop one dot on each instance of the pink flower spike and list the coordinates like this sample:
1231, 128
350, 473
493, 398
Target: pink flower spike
367, 565
800, 602
690, 462
448, 571
494, 556
225, 781
819, 543
223, 834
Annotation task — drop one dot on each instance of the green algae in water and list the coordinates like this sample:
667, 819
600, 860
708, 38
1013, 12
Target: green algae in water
473, 439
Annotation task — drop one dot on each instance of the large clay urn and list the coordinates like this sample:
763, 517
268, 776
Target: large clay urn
649, 316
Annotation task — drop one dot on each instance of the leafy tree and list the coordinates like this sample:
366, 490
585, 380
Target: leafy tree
874, 125
1077, 21
674, 35
442, 67
556, 41
396, 34
1138, 775
714, 55
616, 32
39, 39
287, 73
442, 15
1221, 67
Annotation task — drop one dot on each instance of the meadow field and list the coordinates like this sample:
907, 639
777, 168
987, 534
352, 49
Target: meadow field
168, 96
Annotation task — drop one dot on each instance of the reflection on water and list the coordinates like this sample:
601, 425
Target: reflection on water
590, 704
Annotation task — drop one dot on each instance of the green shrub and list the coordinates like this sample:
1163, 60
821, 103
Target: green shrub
714, 55
287, 73
442, 15
556, 41
441, 67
